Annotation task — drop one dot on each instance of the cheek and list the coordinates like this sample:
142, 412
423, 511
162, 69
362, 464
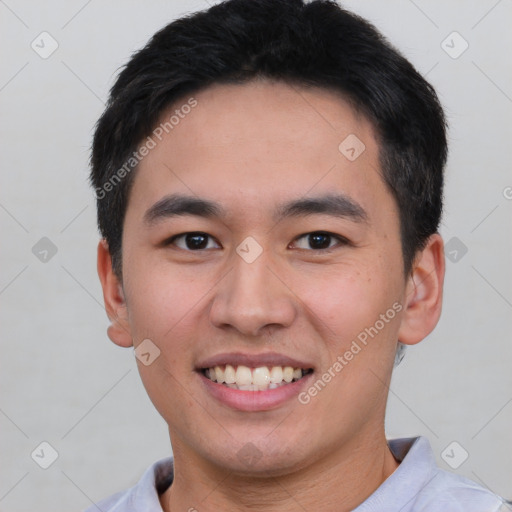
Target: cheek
160, 300
346, 300
162, 306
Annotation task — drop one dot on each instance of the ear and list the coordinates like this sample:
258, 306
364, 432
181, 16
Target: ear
424, 293
113, 296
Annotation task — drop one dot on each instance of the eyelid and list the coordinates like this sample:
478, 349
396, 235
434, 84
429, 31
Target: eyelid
170, 240
341, 240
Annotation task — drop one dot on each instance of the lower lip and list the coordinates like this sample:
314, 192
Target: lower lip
252, 401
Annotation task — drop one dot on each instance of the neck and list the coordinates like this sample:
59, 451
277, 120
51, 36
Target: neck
338, 482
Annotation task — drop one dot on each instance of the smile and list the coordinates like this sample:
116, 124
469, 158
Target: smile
261, 378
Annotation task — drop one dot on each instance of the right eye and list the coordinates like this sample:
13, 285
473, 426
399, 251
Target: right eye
192, 241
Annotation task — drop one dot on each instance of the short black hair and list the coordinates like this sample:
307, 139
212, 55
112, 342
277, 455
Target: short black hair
315, 43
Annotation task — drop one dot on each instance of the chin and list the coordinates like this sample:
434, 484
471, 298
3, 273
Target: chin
261, 458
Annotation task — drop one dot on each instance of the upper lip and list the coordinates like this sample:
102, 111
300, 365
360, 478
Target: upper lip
252, 360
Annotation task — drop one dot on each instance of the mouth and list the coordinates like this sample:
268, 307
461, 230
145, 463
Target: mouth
259, 378
249, 382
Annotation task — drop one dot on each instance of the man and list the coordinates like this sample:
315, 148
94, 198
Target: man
269, 177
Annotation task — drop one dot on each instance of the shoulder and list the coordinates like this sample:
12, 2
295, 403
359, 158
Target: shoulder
144, 495
443, 491
448, 492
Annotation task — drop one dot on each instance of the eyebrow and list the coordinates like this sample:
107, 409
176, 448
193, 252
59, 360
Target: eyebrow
336, 205
175, 205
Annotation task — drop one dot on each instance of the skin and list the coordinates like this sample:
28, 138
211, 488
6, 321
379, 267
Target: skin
250, 148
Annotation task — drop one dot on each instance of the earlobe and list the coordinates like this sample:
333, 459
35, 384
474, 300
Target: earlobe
424, 293
113, 296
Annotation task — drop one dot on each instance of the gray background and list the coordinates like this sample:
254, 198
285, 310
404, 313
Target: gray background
62, 381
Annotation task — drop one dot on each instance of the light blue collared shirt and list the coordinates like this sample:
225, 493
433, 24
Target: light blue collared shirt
417, 485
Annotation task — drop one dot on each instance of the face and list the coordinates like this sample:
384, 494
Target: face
256, 251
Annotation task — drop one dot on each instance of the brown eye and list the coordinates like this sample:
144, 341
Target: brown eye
193, 241
319, 240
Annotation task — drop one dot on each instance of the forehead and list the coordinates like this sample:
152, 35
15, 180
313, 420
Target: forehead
260, 143
276, 114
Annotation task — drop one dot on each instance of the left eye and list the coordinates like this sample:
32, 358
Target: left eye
193, 241
319, 240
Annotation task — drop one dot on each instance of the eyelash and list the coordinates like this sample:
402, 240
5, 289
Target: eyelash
342, 241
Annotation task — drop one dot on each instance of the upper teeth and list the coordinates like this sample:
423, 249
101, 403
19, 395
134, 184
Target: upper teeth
253, 379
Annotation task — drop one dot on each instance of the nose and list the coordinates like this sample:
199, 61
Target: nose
252, 298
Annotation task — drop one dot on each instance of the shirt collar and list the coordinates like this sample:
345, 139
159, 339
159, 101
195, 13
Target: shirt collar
416, 470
